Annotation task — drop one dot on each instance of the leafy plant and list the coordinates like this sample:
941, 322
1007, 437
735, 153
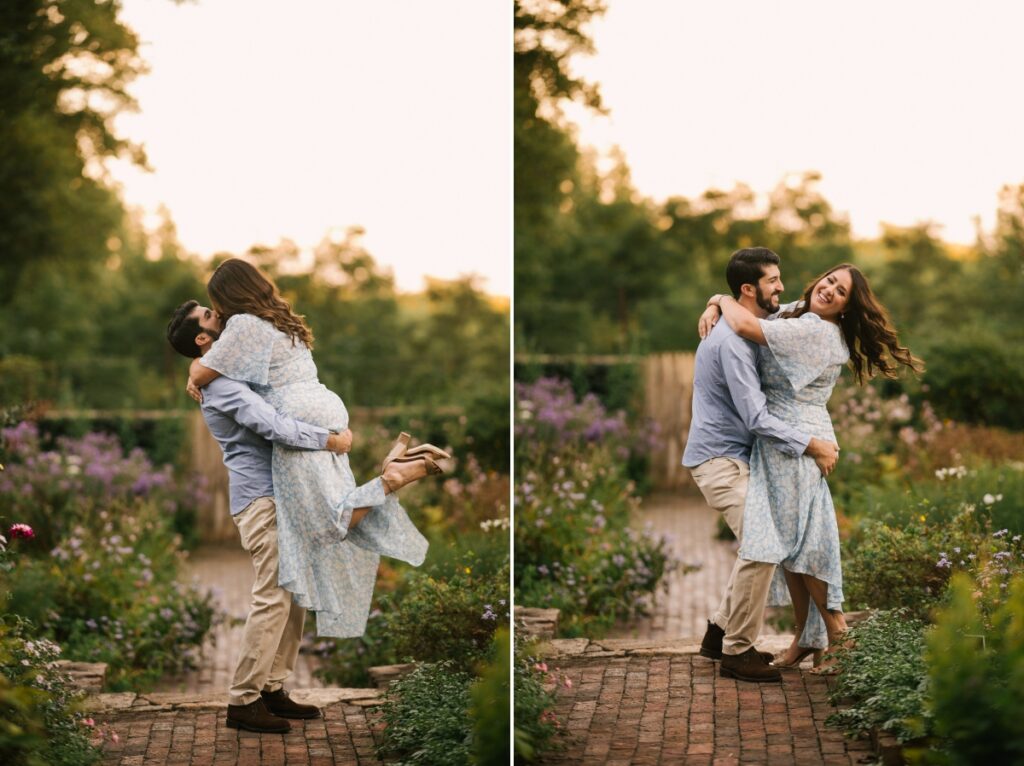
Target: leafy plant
883, 672
427, 717
976, 672
41, 722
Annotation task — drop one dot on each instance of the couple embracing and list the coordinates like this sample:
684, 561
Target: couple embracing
761, 444
314, 534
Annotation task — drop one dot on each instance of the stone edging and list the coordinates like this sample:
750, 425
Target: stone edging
586, 648
157, 702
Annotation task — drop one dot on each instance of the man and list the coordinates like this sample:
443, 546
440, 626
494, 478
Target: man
245, 425
729, 410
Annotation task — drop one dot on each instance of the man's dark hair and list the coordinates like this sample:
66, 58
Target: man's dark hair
746, 267
183, 329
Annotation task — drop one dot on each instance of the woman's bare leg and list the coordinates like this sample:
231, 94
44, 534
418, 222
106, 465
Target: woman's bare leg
835, 623
801, 599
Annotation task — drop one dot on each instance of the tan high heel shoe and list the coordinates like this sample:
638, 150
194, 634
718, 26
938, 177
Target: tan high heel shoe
394, 479
401, 449
397, 449
818, 654
795, 665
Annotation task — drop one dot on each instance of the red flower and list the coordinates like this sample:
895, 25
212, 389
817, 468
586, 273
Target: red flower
21, 530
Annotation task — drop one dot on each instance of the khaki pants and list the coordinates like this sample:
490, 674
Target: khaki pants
723, 482
273, 629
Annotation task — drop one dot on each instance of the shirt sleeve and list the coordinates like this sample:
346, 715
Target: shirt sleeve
249, 409
803, 347
243, 350
745, 389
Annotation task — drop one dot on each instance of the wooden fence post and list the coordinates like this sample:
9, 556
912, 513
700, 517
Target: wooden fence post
213, 519
668, 391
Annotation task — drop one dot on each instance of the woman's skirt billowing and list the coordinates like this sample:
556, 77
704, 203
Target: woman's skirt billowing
328, 568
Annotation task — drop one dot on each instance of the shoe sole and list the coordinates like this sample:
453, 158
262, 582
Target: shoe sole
257, 729
726, 673
298, 716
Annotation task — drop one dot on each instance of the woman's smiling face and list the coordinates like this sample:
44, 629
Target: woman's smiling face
831, 295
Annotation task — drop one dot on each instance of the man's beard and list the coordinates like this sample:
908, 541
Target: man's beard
765, 302
213, 334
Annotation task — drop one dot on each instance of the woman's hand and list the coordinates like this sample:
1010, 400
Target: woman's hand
193, 390
708, 320
340, 442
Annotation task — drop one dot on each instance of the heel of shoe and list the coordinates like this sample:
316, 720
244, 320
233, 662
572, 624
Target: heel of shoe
397, 449
233, 724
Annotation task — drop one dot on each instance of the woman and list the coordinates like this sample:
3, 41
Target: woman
789, 518
327, 562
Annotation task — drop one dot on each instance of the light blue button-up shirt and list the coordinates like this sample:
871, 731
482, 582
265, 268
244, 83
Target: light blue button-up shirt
729, 408
245, 425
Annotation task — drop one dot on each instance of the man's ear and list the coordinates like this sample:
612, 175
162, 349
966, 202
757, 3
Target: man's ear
202, 339
748, 290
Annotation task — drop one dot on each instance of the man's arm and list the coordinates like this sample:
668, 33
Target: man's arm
249, 409
749, 400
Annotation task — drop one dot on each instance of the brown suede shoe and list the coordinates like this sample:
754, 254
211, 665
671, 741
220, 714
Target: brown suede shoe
256, 717
749, 666
279, 703
711, 645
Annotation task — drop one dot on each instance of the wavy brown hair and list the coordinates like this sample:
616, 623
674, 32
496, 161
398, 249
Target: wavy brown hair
238, 287
870, 337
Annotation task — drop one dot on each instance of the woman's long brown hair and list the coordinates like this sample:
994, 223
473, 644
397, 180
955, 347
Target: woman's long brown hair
238, 287
870, 337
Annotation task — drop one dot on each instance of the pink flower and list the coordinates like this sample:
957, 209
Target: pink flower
541, 667
568, 683
21, 530
89, 722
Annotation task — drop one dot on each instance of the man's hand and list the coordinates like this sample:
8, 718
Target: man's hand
340, 442
192, 390
708, 320
825, 454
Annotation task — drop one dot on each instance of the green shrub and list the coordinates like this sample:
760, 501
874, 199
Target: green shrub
894, 567
452, 618
977, 379
110, 594
976, 672
427, 717
883, 673
40, 721
575, 548
491, 706
23, 379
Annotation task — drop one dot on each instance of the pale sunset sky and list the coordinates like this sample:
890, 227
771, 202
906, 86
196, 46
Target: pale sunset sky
910, 110
266, 120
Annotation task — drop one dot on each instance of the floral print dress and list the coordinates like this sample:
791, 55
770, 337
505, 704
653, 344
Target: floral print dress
328, 568
789, 518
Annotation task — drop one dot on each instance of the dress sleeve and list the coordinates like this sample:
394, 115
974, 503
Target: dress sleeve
803, 347
243, 350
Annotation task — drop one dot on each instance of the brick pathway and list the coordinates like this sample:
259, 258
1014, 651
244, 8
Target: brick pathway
650, 708
194, 734
228, 571
693, 597
644, 696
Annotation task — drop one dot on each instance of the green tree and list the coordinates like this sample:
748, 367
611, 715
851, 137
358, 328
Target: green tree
64, 69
